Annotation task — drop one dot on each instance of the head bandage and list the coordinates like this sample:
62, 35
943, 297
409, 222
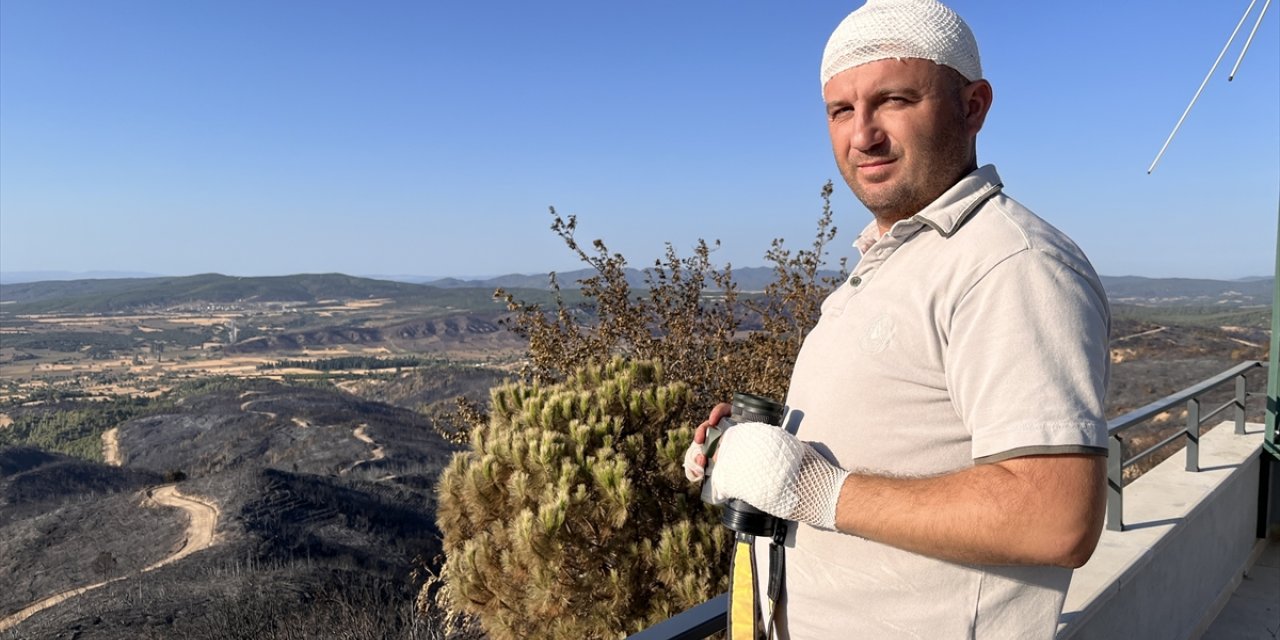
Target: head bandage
883, 29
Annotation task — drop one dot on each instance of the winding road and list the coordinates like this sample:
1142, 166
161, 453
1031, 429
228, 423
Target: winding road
244, 406
362, 434
200, 535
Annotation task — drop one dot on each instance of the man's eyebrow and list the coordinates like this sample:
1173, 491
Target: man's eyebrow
837, 104
909, 92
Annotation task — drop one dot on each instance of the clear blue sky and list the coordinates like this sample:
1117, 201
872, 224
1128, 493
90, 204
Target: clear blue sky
257, 138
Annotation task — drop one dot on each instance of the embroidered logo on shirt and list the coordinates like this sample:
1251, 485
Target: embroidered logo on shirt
878, 335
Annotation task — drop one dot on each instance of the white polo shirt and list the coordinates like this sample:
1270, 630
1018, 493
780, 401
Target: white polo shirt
969, 333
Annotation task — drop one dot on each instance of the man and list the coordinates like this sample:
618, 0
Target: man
947, 468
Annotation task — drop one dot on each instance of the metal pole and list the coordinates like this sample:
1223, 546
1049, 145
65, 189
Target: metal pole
1115, 483
1271, 442
1202, 84
1248, 41
1193, 434
1242, 396
1269, 480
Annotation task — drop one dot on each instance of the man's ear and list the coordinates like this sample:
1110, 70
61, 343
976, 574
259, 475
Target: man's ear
976, 97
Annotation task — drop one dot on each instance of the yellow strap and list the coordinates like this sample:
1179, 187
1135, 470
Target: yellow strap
742, 593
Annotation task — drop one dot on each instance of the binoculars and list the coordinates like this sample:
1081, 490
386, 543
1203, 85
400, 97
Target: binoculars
737, 515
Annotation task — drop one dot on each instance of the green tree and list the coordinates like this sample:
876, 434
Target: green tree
570, 516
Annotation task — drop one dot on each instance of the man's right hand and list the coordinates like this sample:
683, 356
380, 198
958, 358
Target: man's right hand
695, 462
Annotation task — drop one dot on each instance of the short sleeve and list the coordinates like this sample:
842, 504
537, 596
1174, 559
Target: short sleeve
1027, 360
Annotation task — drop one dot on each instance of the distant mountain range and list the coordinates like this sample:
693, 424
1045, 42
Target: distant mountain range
118, 294
1188, 291
748, 279
121, 294
13, 277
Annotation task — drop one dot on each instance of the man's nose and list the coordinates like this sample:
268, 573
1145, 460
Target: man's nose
866, 133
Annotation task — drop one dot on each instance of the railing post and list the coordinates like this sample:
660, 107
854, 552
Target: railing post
1193, 434
1242, 383
1115, 483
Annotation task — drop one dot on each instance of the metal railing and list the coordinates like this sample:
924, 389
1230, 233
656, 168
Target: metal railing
697, 623
712, 616
1117, 463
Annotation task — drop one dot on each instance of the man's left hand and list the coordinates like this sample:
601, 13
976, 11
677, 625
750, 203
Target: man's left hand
777, 473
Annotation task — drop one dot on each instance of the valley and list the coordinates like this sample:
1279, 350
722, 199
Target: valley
144, 354
257, 458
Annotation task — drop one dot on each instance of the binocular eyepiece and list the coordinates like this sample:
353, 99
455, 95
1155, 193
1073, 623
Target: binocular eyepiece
737, 515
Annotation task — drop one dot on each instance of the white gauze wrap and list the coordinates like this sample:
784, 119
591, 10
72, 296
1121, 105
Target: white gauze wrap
883, 29
777, 473
692, 470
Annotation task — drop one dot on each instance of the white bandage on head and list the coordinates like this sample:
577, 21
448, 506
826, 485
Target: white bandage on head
883, 29
777, 473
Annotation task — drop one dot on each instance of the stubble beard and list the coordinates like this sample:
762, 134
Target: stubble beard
937, 168
889, 202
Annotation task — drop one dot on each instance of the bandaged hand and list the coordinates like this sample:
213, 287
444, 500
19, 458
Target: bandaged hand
692, 470
775, 472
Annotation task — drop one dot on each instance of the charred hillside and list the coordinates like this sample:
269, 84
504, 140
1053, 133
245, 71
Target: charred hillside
298, 552
420, 334
66, 521
317, 430
325, 513
33, 480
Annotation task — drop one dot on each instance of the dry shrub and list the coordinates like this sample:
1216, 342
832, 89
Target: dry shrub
570, 517
691, 317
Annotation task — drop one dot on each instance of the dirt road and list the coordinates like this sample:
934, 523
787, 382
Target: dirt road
244, 406
1139, 334
111, 447
362, 434
203, 520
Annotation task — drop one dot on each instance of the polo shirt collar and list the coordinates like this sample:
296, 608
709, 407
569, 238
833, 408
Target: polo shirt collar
946, 214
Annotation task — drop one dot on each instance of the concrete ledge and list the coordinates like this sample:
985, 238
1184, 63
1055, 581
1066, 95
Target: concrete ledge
1189, 536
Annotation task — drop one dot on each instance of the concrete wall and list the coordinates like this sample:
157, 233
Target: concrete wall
1187, 541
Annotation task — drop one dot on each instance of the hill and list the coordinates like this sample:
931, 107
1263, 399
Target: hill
323, 499
747, 279
236, 425
131, 293
418, 335
295, 556
12, 277
123, 294
53, 510
215, 292
34, 480
1184, 292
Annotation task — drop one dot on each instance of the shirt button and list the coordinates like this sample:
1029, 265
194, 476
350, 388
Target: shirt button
855, 280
